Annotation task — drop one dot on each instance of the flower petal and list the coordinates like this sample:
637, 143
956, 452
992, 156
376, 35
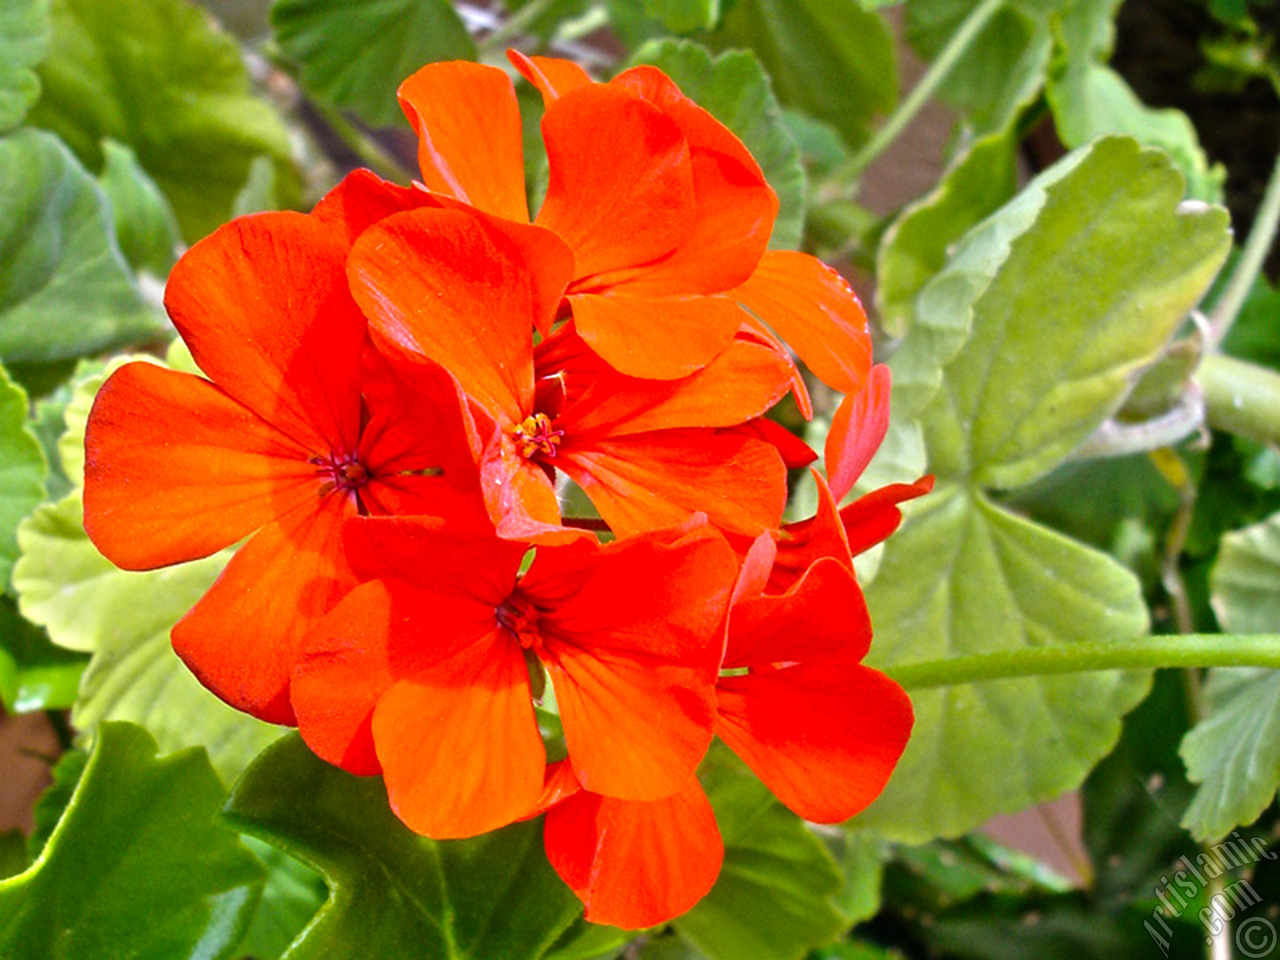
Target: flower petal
872, 518
520, 496
656, 338
632, 864
459, 742
465, 291
857, 429
417, 550
620, 191
380, 633
795, 453
815, 311
805, 542
175, 469
420, 444
470, 145
823, 737
736, 206
631, 638
822, 617
244, 636
552, 76
263, 304
742, 382
651, 480
362, 199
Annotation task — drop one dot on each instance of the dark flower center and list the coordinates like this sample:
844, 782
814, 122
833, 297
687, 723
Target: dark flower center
340, 471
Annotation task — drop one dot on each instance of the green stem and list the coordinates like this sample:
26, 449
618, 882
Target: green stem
1182, 651
370, 152
1256, 248
1241, 397
925, 88
512, 27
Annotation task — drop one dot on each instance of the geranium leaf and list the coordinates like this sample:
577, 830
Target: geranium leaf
830, 58
1003, 67
145, 225
22, 471
915, 248
354, 53
773, 900
1050, 356
290, 898
24, 39
123, 619
944, 307
1090, 100
157, 76
735, 90
965, 576
137, 860
68, 291
393, 893
1234, 753
34, 674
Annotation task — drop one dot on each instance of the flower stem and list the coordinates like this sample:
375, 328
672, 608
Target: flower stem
925, 88
1180, 650
1255, 250
512, 27
370, 152
1241, 397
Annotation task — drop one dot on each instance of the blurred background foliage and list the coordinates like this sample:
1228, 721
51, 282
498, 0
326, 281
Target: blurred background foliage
1104, 434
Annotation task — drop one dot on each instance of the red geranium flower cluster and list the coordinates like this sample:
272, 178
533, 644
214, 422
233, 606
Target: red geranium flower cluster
401, 386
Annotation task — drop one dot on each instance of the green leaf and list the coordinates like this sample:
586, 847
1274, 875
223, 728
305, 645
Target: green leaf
13, 857
34, 674
157, 76
145, 225
830, 58
393, 893
915, 248
1133, 799
67, 291
683, 16
735, 90
53, 803
964, 576
1090, 100
137, 865
355, 53
944, 307
22, 472
1234, 753
123, 619
773, 898
1085, 299
1003, 69
24, 40
589, 941
290, 898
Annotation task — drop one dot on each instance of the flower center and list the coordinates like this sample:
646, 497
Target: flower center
519, 618
535, 436
340, 471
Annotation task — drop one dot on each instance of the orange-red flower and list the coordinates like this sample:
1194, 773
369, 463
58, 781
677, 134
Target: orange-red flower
665, 212
467, 290
293, 431
424, 673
